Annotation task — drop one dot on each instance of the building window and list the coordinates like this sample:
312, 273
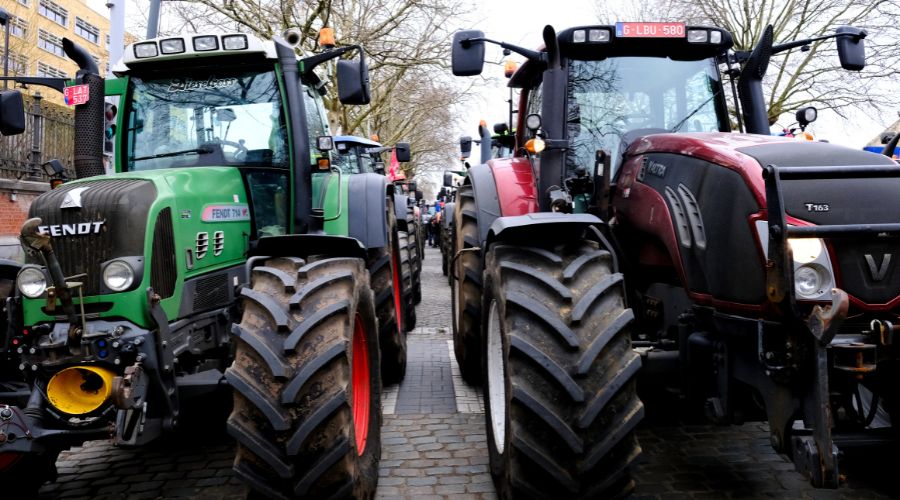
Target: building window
18, 27
46, 70
54, 12
25, 2
107, 42
18, 64
51, 43
87, 31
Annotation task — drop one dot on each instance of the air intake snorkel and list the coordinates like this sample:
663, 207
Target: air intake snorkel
88, 116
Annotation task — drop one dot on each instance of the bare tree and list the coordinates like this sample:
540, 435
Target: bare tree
798, 77
407, 44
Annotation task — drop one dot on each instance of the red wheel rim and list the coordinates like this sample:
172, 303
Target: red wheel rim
395, 263
362, 389
8, 460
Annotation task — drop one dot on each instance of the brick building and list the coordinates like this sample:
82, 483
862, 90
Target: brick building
37, 28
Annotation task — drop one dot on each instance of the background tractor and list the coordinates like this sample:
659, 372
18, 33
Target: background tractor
357, 155
632, 226
208, 242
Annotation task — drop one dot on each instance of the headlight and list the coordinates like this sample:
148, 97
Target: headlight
31, 282
811, 281
806, 250
118, 276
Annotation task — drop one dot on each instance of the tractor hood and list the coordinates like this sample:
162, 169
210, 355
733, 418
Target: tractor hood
818, 201
170, 225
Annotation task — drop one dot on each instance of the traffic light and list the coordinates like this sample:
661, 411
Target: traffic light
109, 128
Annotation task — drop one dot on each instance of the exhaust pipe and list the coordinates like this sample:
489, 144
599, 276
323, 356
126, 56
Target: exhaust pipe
88, 116
80, 390
292, 36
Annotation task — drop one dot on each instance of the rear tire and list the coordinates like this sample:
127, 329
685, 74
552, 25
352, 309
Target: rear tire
560, 386
406, 278
306, 381
466, 287
389, 304
415, 255
23, 476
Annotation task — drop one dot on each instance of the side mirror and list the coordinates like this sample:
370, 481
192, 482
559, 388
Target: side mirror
412, 186
467, 54
379, 168
402, 151
419, 195
886, 138
501, 128
353, 81
851, 48
324, 143
465, 146
12, 112
806, 115
448, 178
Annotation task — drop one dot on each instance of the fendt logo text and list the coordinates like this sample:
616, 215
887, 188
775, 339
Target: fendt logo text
72, 229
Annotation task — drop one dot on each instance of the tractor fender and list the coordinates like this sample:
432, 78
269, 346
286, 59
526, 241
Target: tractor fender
486, 200
366, 206
539, 227
9, 269
304, 245
401, 204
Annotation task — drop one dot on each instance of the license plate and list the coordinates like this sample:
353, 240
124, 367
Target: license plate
649, 30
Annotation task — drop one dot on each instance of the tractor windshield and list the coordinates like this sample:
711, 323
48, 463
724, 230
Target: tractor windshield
610, 98
227, 118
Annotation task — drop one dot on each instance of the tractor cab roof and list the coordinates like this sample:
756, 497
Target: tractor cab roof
352, 139
187, 49
675, 41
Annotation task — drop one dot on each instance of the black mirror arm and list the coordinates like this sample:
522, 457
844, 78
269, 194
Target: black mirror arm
310, 63
527, 53
741, 56
56, 84
800, 43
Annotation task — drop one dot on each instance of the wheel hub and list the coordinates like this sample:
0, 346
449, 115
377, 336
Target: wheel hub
362, 384
496, 378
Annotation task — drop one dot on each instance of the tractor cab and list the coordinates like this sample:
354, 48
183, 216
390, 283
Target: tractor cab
623, 81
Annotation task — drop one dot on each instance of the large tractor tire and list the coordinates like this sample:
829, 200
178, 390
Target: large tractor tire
415, 255
306, 381
466, 287
560, 375
23, 475
385, 275
406, 280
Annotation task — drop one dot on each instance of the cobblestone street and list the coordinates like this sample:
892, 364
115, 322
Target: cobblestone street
434, 445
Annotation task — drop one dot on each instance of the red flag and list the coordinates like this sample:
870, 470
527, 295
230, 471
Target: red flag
394, 172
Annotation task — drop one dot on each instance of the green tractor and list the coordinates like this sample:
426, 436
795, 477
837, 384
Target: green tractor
208, 242
357, 155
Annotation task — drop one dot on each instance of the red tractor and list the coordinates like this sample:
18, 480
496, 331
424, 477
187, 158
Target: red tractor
633, 227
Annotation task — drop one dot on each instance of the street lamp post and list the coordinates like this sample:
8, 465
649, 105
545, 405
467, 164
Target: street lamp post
4, 21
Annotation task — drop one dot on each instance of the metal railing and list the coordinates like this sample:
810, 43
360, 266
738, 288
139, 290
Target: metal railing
49, 134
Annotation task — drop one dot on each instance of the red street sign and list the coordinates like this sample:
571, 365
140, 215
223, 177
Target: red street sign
75, 95
649, 30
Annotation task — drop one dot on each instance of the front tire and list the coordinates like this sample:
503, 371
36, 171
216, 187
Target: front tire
306, 380
466, 288
408, 281
560, 397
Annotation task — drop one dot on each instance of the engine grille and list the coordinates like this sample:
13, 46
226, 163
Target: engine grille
163, 272
869, 270
211, 291
121, 204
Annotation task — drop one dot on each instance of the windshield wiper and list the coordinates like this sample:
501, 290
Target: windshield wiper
201, 150
694, 112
